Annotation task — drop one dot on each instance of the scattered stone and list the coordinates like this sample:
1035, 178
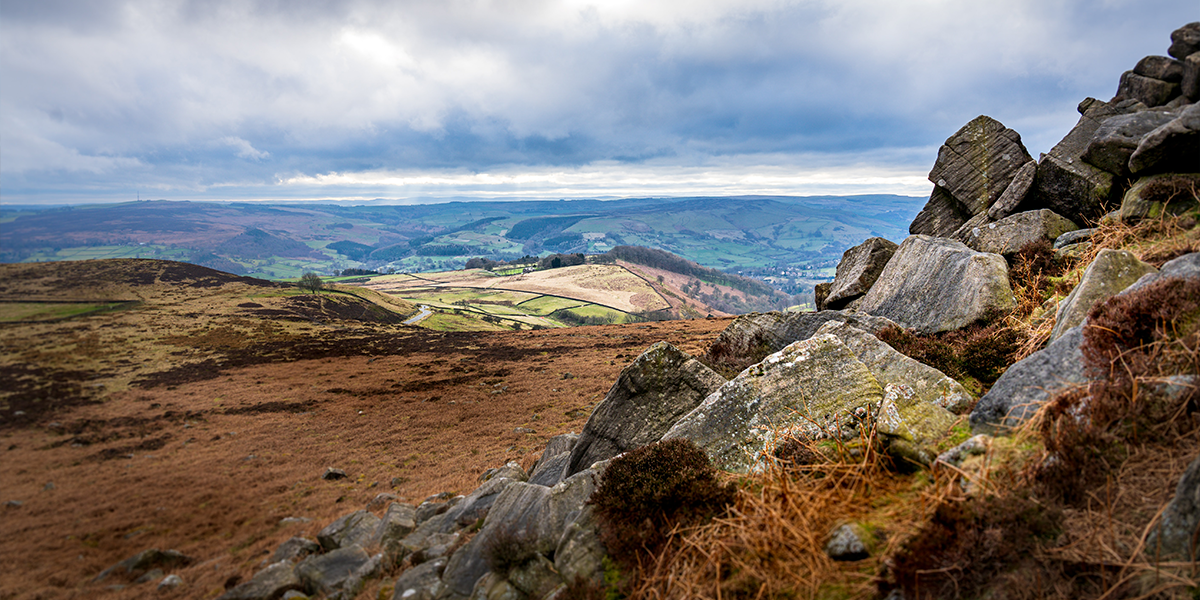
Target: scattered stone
934, 284
435, 506
974, 446
271, 582
846, 543
13, 504
151, 575
1027, 385
397, 523
1009, 235
49, 487
422, 582
380, 500
510, 470
295, 549
294, 520
1111, 272
523, 430
859, 268
325, 573
332, 474
170, 582
649, 396
355, 529
145, 561
1073, 237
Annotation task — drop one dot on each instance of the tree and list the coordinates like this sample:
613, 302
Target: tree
311, 282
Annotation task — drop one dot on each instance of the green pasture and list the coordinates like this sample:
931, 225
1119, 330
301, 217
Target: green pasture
544, 305
13, 312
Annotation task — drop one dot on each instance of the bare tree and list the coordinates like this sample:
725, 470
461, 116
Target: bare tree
311, 282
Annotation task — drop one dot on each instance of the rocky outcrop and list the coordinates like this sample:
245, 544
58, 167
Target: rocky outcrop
653, 392
552, 466
972, 170
1185, 41
268, 584
933, 284
812, 389
859, 268
1067, 184
1111, 272
1009, 235
325, 573
1147, 90
354, 529
750, 338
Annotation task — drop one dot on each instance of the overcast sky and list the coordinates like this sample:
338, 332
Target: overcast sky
296, 99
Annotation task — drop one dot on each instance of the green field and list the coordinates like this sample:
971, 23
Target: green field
14, 312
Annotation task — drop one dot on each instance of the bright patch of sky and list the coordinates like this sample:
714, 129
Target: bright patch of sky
101, 100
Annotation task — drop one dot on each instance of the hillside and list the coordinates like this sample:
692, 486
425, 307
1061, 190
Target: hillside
194, 410
796, 240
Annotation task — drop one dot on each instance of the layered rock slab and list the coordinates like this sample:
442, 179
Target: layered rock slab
1010, 234
934, 284
651, 394
752, 337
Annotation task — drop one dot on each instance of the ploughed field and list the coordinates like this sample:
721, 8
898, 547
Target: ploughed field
150, 404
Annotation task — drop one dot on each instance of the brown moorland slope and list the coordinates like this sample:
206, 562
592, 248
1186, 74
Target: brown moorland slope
202, 412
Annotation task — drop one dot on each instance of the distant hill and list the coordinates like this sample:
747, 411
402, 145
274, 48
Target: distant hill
792, 242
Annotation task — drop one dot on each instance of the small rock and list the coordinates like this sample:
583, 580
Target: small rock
523, 430
332, 474
380, 500
294, 520
1073, 237
170, 581
13, 504
846, 544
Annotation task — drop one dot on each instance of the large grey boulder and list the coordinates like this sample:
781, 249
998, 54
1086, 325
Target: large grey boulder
1151, 197
1175, 537
1008, 235
355, 529
295, 549
550, 471
1147, 90
1068, 185
1184, 267
474, 506
751, 337
978, 162
1174, 146
1117, 138
270, 583
934, 284
1111, 272
891, 368
972, 170
859, 268
813, 388
1031, 382
942, 215
651, 393
1160, 67
145, 561
326, 573
1185, 41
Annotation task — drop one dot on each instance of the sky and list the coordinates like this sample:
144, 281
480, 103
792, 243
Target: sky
414, 101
